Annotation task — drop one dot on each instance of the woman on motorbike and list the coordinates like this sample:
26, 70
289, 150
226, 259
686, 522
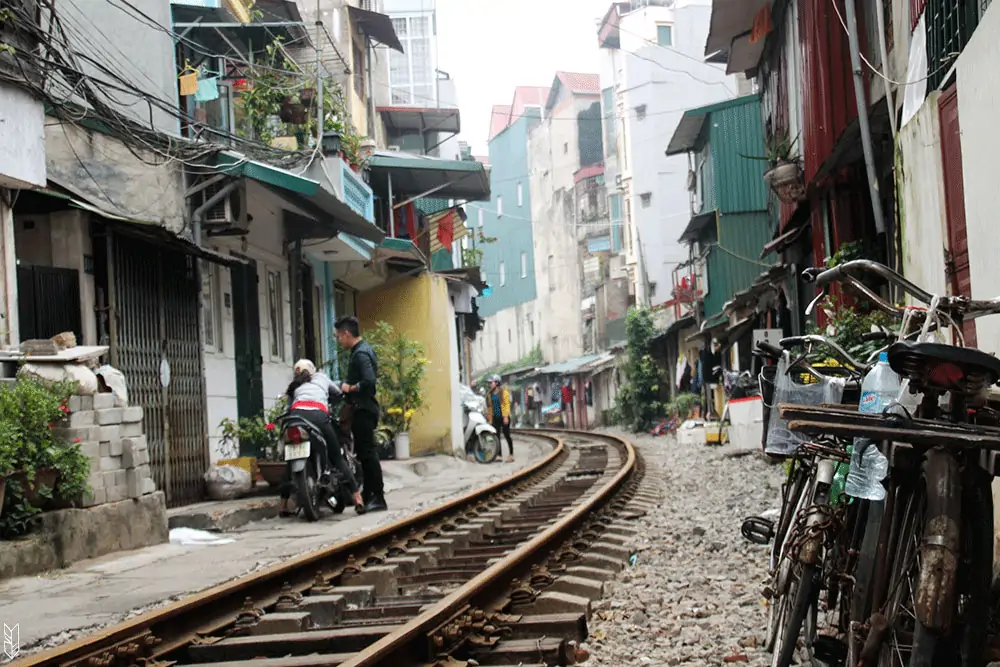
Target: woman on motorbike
309, 396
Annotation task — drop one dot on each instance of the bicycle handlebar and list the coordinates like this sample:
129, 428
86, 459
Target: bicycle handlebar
799, 341
823, 277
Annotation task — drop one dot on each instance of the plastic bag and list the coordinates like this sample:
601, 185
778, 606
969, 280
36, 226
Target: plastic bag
780, 440
115, 381
227, 482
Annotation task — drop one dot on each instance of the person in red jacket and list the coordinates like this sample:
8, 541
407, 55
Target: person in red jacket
567, 405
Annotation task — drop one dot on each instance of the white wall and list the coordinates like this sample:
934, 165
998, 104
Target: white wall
978, 100
667, 80
507, 336
22, 139
921, 196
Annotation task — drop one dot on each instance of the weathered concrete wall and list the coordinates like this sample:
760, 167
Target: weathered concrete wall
104, 171
64, 537
22, 151
509, 335
921, 194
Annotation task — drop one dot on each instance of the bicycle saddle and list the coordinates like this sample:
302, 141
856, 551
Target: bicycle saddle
944, 367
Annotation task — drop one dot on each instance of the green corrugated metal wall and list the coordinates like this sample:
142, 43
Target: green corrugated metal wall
709, 189
739, 182
734, 264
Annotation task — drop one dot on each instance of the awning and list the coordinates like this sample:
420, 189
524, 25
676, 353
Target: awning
400, 249
686, 137
569, 367
787, 238
470, 274
306, 194
219, 31
735, 332
765, 282
420, 175
697, 225
377, 26
676, 325
729, 30
712, 325
146, 229
401, 120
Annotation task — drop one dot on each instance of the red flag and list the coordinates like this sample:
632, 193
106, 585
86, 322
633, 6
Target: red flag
446, 229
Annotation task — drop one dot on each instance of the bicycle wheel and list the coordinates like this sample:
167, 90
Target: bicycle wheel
793, 499
801, 604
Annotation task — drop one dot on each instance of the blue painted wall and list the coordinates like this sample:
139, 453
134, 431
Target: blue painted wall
509, 167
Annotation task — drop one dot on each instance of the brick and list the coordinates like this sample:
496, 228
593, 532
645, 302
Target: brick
94, 497
148, 486
131, 430
135, 480
104, 401
135, 443
96, 480
121, 477
92, 450
109, 479
134, 456
80, 419
81, 403
105, 449
111, 463
116, 448
109, 433
64, 434
132, 414
116, 494
109, 416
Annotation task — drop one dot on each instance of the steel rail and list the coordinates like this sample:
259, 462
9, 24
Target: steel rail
175, 625
408, 644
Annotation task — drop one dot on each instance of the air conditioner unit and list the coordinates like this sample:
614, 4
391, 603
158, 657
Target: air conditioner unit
393, 148
227, 217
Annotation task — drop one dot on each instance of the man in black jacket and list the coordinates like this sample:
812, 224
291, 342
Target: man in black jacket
359, 391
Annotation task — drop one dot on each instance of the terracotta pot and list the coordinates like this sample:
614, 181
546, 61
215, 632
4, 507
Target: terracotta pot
272, 472
356, 168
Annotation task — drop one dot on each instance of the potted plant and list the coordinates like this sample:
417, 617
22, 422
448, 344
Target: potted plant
784, 174
402, 367
294, 111
258, 437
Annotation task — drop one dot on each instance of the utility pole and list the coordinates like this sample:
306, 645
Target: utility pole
320, 106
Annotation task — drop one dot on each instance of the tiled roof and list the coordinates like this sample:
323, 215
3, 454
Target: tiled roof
527, 96
499, 119
580, 83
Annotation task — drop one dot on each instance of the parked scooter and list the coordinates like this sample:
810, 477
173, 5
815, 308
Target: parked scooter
303, 448
481, 439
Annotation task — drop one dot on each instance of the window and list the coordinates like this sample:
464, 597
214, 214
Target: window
640, 112
520, 194
211, 303
524, 265
503, 275
552, 268
646, 198
275, 315
480, 217
499, 206
664, 34
359, 70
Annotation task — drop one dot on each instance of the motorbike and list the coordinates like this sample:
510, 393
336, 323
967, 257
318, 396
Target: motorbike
303, 446
481, 439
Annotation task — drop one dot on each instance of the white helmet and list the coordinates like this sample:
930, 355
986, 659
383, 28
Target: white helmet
305, 365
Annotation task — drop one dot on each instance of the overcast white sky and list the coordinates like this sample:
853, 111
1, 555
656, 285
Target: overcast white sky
491, 46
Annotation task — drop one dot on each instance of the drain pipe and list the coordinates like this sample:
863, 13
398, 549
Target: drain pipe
866, 134
196, 216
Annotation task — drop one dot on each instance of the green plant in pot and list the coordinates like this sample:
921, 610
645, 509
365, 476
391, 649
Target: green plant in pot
258, 437
784, 173
402, 368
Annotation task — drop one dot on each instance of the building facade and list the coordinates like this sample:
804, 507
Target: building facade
652, 69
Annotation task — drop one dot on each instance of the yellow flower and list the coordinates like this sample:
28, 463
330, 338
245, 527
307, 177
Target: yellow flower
408, 415
423, 361
395, 411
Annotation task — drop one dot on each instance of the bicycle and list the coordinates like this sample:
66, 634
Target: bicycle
921, 607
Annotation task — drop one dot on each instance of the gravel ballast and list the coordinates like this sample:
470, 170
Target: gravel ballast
693, 596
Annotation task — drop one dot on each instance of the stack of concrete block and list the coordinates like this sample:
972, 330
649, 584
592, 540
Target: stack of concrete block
113, 438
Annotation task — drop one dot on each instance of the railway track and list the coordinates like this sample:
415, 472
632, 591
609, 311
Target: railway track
502, 576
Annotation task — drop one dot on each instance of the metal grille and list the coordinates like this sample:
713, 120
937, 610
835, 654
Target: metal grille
357, 194
156, 317
950, 24
48, 302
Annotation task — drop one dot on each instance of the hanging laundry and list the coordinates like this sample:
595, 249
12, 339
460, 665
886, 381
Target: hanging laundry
188, 83
208, 89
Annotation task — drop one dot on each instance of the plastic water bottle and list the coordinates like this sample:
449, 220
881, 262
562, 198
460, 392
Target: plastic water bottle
869, 466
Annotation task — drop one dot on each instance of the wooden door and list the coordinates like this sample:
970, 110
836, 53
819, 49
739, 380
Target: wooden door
954, 198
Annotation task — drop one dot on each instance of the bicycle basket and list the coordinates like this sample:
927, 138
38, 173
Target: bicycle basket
779, 440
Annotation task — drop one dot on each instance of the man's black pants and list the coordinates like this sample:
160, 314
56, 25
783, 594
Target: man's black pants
363, 425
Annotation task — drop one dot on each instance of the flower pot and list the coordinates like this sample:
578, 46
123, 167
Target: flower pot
786, 180
307, 94
272, 472
294, 113
356, 168
402, 446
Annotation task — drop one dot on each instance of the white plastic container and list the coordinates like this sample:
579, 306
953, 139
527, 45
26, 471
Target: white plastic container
402, 446
880, 388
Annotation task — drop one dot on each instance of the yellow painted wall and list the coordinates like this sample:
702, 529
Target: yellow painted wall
418, 308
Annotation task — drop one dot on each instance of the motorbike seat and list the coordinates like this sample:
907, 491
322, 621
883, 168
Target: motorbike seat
305, 424
944, 367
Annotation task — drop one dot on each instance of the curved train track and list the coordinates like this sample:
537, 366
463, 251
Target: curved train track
504, 575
